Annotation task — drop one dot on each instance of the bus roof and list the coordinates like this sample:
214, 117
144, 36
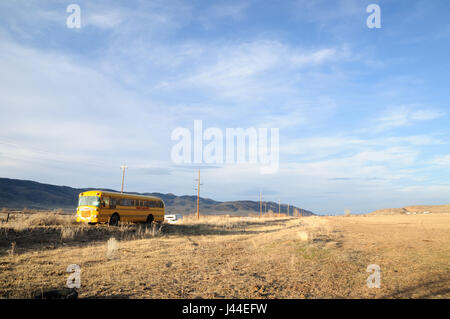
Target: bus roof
116, 194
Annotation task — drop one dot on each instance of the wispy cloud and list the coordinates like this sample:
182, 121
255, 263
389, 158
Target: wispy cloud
405, 116
442, 161
211, 16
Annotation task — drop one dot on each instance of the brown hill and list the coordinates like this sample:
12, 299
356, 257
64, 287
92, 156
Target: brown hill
417, 209
17, 194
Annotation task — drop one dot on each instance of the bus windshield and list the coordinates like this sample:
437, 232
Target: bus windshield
89, 201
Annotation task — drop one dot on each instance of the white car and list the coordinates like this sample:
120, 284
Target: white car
173, 219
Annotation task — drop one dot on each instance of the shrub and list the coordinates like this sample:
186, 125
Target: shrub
48, 219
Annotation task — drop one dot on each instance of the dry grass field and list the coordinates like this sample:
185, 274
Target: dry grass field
225, 257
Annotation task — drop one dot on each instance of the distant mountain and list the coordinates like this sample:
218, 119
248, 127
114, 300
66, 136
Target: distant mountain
18, 194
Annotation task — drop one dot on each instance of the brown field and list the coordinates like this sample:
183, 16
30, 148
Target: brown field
224, 257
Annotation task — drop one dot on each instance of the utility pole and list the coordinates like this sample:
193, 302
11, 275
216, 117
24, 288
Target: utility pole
123, 168
260, 205
288, 210
198, 196
279, 208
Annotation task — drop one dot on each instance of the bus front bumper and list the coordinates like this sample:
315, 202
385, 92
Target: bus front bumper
87, 219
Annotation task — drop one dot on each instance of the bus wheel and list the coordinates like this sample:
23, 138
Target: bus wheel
149, 219
114, 220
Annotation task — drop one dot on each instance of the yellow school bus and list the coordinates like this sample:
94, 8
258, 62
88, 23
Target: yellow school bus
97, 206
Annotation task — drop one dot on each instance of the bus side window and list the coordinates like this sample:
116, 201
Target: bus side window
113, 203
105, 202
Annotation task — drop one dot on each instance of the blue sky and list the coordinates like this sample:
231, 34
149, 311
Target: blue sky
363, 113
